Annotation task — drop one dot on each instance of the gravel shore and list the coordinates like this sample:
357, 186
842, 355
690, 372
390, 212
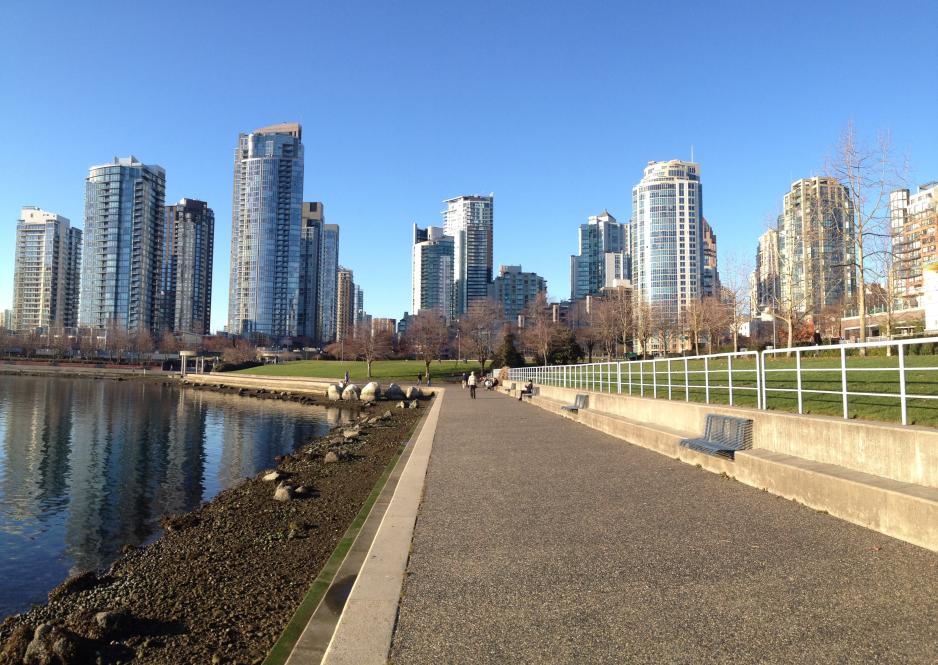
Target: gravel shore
223, 581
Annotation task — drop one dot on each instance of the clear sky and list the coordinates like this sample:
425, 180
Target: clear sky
555, 107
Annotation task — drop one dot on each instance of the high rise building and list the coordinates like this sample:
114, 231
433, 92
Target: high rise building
513, 290
122, 246
383, 325
618, 269
667, 230
469, 221
359, 311
345, 304
914, 222
601, 235
710, 276
816, 246
432, 273
328, 283
46, 271
186, 278
265, 232
6, 319
765, 282
313, 217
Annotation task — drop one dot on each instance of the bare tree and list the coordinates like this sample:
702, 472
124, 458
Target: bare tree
666, 328
734, 287
715, 320
169, 344
539, 327
242, 351
606, 325
371, 345
428, 336
142, 344
643, 323
869, 174
479, 328
693, 318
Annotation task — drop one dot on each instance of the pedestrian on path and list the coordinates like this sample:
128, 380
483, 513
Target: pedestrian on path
465, 379
428, 379
419, 378
346, 377
472, 385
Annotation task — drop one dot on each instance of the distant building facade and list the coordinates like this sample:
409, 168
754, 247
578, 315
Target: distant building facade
432, 271
265, 232
765, 284
186, 275
312, 218
345, 304
710, 276
46, 273
601, 235
122, 246
469, 220
914, 225
513, 290
383, 325
816, 246
328, 283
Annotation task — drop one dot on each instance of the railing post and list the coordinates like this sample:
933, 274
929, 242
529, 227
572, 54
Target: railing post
641, 377
686, 382
630, 378
758, 382
654, 378
843, 378
619, 378
706, 380
669, 378
902, 400
729, 375
798, 380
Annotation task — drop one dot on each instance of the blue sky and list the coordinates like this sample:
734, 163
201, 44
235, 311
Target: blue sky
554, 106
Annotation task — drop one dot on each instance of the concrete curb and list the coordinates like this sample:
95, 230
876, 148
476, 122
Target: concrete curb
366, 627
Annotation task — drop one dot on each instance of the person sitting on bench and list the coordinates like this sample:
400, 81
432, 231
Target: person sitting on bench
527, 390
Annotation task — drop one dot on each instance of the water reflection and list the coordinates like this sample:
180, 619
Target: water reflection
87, 466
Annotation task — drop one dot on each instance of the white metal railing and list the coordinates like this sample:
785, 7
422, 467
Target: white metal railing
858, 374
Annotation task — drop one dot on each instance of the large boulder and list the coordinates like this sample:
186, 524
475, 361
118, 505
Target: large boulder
334, 393
394, 392
284, 492
414, 393
351, 393
371, 392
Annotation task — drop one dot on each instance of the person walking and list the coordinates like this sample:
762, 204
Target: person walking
465, 379
419, 378
428, 379
472, 385
346, 377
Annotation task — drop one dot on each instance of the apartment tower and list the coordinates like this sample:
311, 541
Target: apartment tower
469, 221
122, 246
186, 278
601, 235
914, 221
265, 232
432, 273
46, 271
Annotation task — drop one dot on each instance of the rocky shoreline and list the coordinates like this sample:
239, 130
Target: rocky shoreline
222, 581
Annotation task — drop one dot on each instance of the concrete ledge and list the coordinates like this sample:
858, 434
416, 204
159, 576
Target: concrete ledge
366, 627
255, 382
902, 510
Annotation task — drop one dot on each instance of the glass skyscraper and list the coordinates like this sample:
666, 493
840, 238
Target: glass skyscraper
186, 289
469, 221
328, 283
313, 216
601, 235
122, 240
265, 232
667, 245
432, 271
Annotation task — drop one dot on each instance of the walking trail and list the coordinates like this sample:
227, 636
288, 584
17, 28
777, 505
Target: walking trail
542, 541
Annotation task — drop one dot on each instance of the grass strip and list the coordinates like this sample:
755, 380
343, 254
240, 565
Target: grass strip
284, 645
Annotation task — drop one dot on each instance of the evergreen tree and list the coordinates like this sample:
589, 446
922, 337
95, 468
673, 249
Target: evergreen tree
507, 354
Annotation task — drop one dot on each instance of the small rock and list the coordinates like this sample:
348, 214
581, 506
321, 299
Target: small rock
401, 405
330, 458
272, 476
386, 415
413, 405
284, 492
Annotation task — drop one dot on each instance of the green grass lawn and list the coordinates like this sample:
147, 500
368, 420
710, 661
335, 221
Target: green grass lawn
381, 370
822, 373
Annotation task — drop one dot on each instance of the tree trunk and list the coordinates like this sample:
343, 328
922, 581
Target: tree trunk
369, 368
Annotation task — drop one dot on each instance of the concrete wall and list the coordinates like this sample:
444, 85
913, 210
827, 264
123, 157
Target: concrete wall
905, 454
256, 382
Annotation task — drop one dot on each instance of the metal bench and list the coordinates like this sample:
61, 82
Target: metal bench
534, 391
579, 403
723, 436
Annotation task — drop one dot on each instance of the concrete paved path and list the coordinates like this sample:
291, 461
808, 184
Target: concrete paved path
542, 541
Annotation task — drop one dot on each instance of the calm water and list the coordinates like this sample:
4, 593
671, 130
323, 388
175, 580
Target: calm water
87, 466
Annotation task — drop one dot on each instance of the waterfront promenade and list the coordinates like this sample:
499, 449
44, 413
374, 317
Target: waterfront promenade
541, 540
